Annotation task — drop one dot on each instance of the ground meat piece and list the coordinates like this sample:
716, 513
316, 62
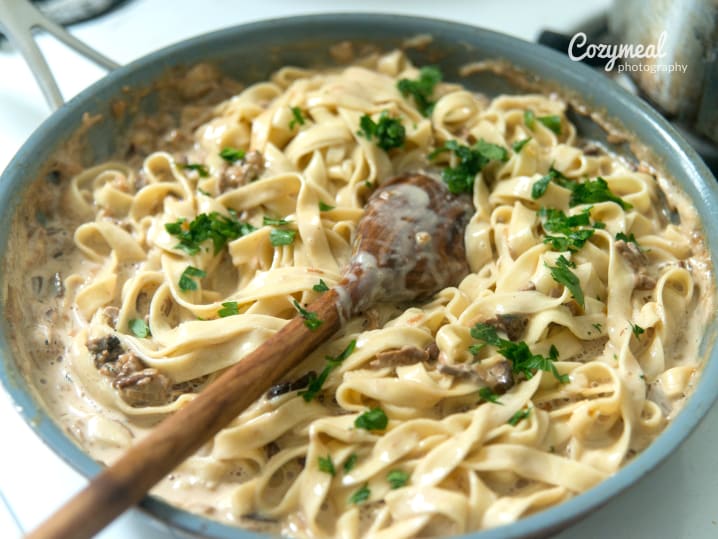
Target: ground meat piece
632, 254
140, 386
105, 349
406, 355
242, 172
511, 324
644, 282
432, 351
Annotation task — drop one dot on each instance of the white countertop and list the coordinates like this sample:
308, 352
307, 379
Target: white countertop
677, 501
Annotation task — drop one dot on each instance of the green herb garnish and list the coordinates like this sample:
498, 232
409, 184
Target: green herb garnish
397, 478
562, 274
476, 348
229, 308
208, 226
529, 118
628, 239
460, 178
422, 88
594, 191
232, 155
522, 360
315, 384
637, 330
573, 238
311, 320
282, 237
297, 118
388, 132
519, 144
539, 188
518, 416
553, 122
598, 327
374, 419
326, 465
321, 287
186, 282
139, 328
351, 462
360, 496
271, 221
325, 207
200, 169
487, 394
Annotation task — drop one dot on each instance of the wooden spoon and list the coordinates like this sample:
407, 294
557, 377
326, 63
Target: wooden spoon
409, 244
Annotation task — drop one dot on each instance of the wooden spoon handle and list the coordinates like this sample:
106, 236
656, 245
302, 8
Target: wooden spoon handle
128, 480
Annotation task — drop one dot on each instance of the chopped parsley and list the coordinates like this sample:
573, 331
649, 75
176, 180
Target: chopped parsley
232, 155
518, 353
519, 144
422, 88
573, 238
297, 118
311, 320
350, 462
270, 221
208, 226
553, 122
598, 327
529, 118
325, 207
316, 383
200, 169
139, 328
374, 419
637, 330
519, 416
539, 188
397, 478
360, 496
205, 193
229, 308
186, 282
388, 132
487, 394
562, 274
595, 191
628, 239
321, 286
279, 237
460, 178
326, 465
476, 348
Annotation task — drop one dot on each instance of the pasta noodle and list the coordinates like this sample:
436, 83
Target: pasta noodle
155, 319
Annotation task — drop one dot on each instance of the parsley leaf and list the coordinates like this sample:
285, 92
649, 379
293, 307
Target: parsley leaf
460, 178
186, 282
351, 462
397, 478
562, 274
229, 308
519, 144
139, 328
553, 122
282, 237
422, 88
232, 155
529, 118
298, 118
200, 169
208, 226
388, 132
595, 191
316, 383
522, 360
321, 287
598, 327
539, 188
487, 394
637, 330
360, 496
311, 320
374, 419
475, 348
628, 239
518, 416
325, 207
270, 221
326, 465
573, 239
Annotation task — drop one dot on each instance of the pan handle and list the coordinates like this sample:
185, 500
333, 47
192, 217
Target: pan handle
18, 19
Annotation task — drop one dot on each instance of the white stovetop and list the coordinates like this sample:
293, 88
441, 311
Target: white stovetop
677, 501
